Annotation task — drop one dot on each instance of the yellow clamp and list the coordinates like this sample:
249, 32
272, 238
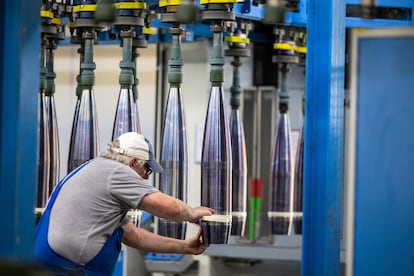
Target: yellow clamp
237, 39
130, 6
57, 21
71, 25
284, 46
84, 8
147, 31
46, 14
301, 49
164, 3
50, 15
205, 2
171, 8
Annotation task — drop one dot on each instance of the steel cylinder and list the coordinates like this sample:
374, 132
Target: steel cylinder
126, 114
281, 185
174, 160
216, 167
84, 144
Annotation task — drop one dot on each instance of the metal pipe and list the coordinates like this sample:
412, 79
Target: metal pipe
43, 153
51, 117
135, 55
239, 156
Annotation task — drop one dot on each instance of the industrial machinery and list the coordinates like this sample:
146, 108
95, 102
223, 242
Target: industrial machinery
276, 205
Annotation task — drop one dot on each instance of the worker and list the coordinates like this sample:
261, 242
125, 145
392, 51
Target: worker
85, 219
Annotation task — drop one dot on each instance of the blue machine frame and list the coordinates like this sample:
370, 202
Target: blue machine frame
250, 11
326, 24
323, 138
20, 48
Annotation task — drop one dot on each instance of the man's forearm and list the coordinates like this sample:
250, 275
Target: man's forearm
147, 241
167, 207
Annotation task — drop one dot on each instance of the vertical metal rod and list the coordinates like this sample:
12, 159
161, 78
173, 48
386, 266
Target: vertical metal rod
239, 156
135, 56
43, 156
52, 118
18, 139
298, 185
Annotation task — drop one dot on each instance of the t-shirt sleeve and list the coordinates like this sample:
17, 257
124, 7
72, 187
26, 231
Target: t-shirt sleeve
128, 189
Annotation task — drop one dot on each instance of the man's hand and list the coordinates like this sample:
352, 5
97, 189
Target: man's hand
199, 212
195, 244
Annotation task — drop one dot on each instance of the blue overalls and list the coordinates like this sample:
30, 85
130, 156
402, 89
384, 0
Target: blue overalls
102, 264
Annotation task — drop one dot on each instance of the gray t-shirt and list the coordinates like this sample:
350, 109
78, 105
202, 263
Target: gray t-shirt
91, 205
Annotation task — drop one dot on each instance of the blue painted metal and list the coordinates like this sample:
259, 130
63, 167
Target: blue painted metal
378, 23
246, 6
384, 157
163, 257
323, 137
300, 18
297, 18
145, 217
255, 13
20, 48
352, 22
386, 3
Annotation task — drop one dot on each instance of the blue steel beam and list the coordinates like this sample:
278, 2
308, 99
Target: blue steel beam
353, 22
301, 18
323, 137
20, 46
386, 3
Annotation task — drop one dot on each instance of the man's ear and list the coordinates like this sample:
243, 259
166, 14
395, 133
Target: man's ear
132, 161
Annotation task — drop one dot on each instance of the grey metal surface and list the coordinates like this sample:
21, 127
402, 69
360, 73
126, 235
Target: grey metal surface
274, 248
170, 266
282, 248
